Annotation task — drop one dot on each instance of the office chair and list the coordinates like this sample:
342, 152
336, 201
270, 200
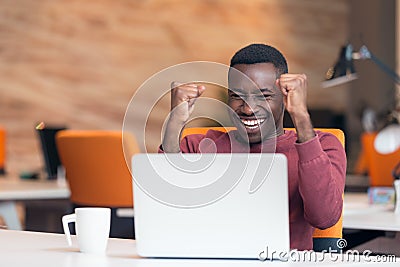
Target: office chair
378, 166
322, 239
97, 173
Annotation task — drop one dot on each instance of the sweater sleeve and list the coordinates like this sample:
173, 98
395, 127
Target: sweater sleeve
189, 144
322, 174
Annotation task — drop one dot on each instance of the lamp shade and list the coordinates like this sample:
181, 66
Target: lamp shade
343, 71
388, 140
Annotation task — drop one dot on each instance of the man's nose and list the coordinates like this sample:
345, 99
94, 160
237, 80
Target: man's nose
248, 106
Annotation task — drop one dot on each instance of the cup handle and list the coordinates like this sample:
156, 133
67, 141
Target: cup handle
66, 219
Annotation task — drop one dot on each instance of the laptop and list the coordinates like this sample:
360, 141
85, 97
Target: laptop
211, 205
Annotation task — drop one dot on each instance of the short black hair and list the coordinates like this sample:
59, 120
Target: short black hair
260, 53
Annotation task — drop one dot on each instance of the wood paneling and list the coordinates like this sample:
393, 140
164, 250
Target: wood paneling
78, 62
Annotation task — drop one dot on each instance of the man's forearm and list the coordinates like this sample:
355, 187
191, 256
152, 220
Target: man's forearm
172, 135
304, 127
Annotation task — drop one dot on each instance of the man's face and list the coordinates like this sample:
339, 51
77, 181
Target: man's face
256, 101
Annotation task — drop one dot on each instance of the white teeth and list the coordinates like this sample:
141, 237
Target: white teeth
252, 127
252, 124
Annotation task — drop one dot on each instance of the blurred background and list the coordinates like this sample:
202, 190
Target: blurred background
78, 63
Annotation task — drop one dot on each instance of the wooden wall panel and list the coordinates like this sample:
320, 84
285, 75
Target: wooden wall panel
79, 62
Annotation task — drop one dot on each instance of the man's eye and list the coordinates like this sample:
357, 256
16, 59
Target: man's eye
267, 97
236, 96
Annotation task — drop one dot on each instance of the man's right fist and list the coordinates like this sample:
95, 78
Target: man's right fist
183, 97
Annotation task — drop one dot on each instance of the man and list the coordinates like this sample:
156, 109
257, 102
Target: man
316, 160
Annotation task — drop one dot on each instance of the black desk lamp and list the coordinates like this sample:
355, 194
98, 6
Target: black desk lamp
388, 139
344, 71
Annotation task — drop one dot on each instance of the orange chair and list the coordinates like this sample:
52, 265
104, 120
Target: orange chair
204, 130
378, 166
322, 239
96, 170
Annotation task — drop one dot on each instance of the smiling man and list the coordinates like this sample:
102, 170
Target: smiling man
260, 88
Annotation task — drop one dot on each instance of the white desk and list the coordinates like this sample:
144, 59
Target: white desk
18, 189
32, 249
13, 189
358, 214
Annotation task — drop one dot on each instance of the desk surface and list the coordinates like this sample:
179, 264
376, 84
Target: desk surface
18, 248
12, 188
358, 214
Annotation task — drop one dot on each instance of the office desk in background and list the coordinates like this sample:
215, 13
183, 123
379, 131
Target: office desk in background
359, 214
13, 189
19, 248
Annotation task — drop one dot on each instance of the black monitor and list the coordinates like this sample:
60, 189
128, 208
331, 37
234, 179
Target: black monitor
46, 134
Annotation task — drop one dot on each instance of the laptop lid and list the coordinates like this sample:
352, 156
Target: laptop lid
211, 205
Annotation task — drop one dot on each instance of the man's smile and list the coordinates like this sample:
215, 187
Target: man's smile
252, 124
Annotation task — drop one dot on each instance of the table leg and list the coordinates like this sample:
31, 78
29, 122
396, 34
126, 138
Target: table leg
8, 211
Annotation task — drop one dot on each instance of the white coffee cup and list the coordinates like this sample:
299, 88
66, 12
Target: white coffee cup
92, 226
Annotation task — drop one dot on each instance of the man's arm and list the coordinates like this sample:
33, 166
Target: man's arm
322, 160
183, 98
322, 174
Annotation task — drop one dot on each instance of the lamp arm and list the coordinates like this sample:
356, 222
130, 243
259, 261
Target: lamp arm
364, 53
386, 69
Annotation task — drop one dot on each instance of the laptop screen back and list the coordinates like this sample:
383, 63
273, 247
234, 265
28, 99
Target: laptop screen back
210, 205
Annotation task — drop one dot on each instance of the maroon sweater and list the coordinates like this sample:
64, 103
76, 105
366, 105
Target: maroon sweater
316, 171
